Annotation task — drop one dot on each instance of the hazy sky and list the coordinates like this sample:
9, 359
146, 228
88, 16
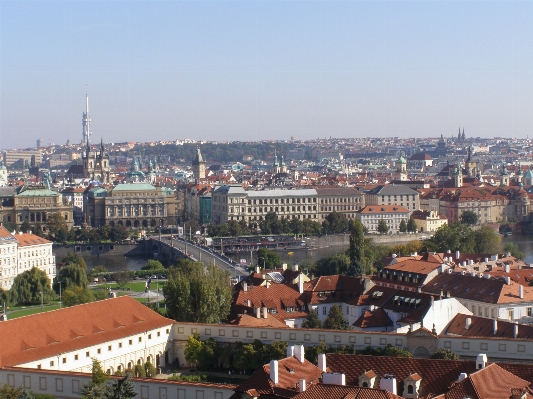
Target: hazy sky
253, 70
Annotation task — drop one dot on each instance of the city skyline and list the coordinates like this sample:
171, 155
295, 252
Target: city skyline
264, 70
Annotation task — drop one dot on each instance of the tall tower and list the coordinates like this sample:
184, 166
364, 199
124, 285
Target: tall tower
198, 165
86, 121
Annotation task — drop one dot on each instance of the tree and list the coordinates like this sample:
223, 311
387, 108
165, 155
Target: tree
153, 264
74, 258
267, 258
25, 227
75, 295
335, 223
138, 371
468, 217
197, 293
357, 247
312, 320
514, 250
312, 352
334, 264
411, 225
446, 354
96, 388
27, 288
486, 240
122, 388
122, 277
149, 369
193, 348
453, 237
383, 228
55, 222
403, 226
73, 275
271, 224
336, 320
8, 392
388, 350
118, 233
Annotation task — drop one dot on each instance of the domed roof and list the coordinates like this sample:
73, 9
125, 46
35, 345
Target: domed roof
528, 174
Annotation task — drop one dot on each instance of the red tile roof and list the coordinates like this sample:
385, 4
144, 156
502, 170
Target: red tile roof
371, 319
322, 391
64, 330
483, 327
27, 239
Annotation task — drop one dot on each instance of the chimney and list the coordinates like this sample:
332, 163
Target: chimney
464, 262
334, 379
508, 280
507, 268
521, 291
258, 269
258, 313
284, 266
299, 353
296, 268
265, 312
508, 255
441, 294
322, 362
415, 253
290, 351
468, 323
494, 326
515, 330
301, 284
248, 303
245, 286
268, 284
302, 385
462, 376
470, 262
388, 382
457, 255
274, 374
481, 361
486, 260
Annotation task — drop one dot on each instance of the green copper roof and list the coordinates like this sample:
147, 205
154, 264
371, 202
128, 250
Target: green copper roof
134, 187
36, 192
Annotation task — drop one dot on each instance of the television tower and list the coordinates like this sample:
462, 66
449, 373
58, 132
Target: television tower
86, 121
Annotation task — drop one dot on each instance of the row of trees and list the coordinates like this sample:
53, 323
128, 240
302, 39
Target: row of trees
101, 387
211, 355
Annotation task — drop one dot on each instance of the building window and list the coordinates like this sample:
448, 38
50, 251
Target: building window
87, 354
51, 363
324, 310
75, 357
120, 344
529, 311
109, 348
131, 342
64, 360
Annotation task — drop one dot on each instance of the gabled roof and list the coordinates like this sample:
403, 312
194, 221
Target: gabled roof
42, 335
483, 327
322, 391
376, 318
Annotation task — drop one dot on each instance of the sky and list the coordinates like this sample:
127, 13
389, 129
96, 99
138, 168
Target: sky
263, 70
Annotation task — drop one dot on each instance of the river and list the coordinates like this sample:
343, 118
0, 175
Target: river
292, 256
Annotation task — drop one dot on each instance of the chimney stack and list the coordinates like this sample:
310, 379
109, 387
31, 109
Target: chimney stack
284, 266
494, 326
515, 330
258, 269
245, 286
468, 323
302, 385
521, 291
457, 255
334, 378
322, 362
258, 313
265, 312
507, 268
290, 351
299, 353
267, 284
296, 268
301, 284
388, 382
481, 361
274, 374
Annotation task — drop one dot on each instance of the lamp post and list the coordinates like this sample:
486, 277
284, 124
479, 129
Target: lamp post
60, 303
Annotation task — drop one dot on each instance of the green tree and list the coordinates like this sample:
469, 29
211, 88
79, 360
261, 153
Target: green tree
411, 225
27, 288
267, 258
118, 233
197, 293
312, 320
446, 354
236, 229
335, 223
73, 275
388, 350
75, 295
486, 240
312, 352
96, 388
193, 348
453, 237
61, 235
152, 264
122, 388
271, 224
55, 222
334, 264
8, 392
138, 371
149, 369
403, 226
514, 250
468, 217
4, 296
383, 228
357, 247
74, 258
25, 227
122, 277
336, 320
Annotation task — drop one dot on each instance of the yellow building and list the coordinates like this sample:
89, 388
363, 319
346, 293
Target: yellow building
428, 221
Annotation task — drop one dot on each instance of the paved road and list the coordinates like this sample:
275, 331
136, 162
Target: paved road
203, 254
